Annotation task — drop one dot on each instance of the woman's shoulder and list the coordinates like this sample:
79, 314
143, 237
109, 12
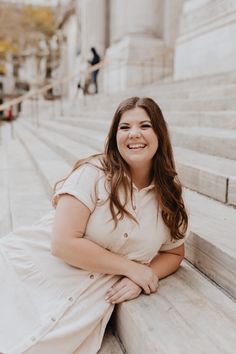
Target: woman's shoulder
93, 166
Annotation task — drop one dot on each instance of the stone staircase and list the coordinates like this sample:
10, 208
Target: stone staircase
194, 309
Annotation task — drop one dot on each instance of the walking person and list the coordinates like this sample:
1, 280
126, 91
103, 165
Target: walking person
95, 60
118, 227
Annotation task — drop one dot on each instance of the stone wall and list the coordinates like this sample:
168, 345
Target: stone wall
206, 44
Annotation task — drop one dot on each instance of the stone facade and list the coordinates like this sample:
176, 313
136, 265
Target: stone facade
145, 41
206, 45
136, 38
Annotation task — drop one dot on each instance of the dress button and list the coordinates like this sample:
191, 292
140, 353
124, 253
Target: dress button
91, 276
70, 299
33, 339
53, 319
125, 235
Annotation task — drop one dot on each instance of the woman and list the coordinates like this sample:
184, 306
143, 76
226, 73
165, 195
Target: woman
118, 227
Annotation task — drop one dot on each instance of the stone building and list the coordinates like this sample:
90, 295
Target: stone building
144, 41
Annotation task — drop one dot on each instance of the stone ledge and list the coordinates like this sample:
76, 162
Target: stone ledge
188, 314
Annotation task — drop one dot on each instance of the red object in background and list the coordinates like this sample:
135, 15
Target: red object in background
9, 113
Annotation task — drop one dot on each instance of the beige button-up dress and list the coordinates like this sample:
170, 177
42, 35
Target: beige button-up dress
48, 306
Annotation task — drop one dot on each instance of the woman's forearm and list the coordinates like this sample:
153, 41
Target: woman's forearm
85, 254
165, 264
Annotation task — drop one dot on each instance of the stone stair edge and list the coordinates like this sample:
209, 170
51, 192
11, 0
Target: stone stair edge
43, 163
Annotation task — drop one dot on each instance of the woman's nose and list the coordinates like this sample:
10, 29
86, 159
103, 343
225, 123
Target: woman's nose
134, 132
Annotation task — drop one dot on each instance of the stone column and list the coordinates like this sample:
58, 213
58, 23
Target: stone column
136, 52
206, 44
93, 26
172, 15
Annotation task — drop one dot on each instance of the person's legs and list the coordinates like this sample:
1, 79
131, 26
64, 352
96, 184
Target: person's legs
95, 73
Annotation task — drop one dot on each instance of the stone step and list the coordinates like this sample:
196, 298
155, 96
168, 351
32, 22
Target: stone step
5, 214
201, 104
49, 165
212, 141
209, 220
211, 243
22, 197
61, 143
186, 315
169, 104
209, 175
204, 81
214, 119
214, 92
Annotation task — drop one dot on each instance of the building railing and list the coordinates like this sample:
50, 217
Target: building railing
34, 94
45, 88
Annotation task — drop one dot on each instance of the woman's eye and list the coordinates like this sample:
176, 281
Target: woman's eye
146, 126
124, 128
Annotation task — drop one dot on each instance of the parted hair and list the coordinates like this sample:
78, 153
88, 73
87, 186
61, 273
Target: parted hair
168, 188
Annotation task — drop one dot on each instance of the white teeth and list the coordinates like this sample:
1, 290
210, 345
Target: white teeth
136, 146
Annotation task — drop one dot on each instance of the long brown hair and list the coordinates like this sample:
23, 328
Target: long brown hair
167, 186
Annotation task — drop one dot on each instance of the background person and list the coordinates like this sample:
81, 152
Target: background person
95, 60
118, 226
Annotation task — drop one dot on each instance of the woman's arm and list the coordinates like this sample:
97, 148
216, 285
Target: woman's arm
70, 223
164, 264
167, 262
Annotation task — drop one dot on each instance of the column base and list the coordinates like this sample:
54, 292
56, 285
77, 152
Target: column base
135, 61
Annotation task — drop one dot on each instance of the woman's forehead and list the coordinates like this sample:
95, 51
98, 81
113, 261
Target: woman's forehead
135, 114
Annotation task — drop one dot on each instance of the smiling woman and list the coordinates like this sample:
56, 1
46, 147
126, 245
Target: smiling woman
118, 227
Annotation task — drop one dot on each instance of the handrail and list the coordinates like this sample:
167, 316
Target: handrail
35, 92
92, 68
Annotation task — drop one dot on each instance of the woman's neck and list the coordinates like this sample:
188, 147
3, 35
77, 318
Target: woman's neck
141, 178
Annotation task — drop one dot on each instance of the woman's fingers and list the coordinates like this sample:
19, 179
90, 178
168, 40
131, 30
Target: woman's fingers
154, 284
114, 297
124, 289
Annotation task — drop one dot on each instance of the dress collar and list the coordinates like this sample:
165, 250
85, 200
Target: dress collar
151, 185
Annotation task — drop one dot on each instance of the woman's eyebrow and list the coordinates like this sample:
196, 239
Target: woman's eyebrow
123, 123
143, 121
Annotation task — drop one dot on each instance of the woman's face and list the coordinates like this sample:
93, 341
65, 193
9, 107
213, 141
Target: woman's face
136, 140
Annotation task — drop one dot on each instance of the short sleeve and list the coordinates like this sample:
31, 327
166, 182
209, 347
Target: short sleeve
168, 243
82, 185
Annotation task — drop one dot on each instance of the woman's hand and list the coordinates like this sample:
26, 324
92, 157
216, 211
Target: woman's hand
143, 276
125, 289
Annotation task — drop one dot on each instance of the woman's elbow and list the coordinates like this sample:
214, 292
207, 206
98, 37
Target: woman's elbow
57, 248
